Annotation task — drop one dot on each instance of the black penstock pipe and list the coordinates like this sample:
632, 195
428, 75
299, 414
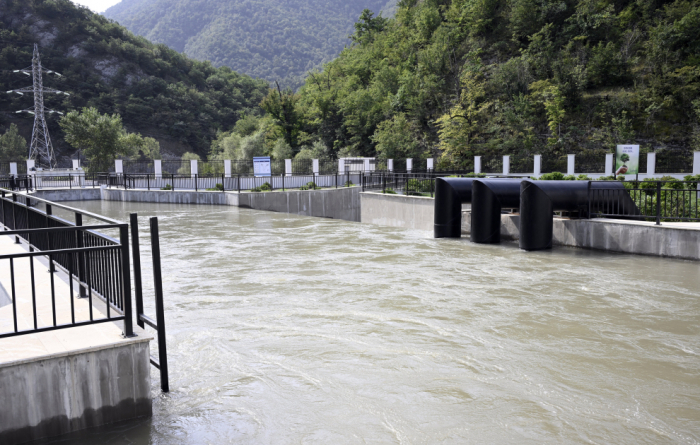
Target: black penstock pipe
540, 199
450, 193
489, 198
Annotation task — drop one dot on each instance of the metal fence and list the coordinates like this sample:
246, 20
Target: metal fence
554, 164
590, 163
98, 265
522, 164
492, 164
671, 161
656, 201
5, 168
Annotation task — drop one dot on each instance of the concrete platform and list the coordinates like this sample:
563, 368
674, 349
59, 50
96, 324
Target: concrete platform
670, 239
52, 383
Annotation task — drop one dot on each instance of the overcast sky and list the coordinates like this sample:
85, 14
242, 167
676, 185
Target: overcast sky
97, 5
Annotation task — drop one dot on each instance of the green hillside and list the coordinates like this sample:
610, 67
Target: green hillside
158, 91
271, 39
465, 77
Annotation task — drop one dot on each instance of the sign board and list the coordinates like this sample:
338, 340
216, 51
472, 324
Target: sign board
627, 160
261, 166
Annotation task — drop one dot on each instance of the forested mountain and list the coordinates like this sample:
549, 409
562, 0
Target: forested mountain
455, 78
158, 91
272, 39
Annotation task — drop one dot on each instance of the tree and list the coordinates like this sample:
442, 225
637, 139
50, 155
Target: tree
101, 137
13, 147
624, 157
282, 106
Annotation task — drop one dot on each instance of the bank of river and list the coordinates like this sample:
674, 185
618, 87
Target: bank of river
288, 329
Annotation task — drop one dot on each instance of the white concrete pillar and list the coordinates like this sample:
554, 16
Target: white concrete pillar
194, 168
477, 164
288, 167
158, 167
570, 164
315, 166
390, 165
506, 165
341, 166
366, 166
696, 163
409, 164
13, 168
537, 166
608, 164
431, 164
30, 165
651, 164
119, 166
76, 164
227, 168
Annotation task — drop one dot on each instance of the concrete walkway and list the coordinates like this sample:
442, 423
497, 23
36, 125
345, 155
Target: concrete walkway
43, 345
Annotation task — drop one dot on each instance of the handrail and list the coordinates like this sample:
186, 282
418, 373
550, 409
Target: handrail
62, 206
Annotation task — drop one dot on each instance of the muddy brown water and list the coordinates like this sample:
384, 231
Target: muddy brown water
295, 330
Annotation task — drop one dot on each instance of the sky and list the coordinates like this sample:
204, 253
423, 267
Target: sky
97, 5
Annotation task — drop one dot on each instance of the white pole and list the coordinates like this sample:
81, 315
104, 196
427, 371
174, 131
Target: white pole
288, 167
537, 166
651, 164
431, 164
608, 164
506, 165
119, 166
158, 167
409, 165
570, 164
477, 164
194, 168
341, 166
390, 165
315, 166
76, 164
13, 168
366, 164
696, 163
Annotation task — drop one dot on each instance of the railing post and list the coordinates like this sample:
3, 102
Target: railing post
223, 182
126, 281
136, 253
160, 313
196, 189
148, 181
658, 203
81, 256
239, 183
49, 212
172, 181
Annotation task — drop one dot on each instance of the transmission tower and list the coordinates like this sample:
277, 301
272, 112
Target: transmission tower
41, 149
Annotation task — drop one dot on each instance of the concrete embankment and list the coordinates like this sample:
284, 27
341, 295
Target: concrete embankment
677, 240
341, 203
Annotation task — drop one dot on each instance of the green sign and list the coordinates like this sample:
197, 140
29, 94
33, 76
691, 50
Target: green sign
627, 160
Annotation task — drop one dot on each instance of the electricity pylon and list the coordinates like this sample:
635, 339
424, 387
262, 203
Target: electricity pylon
41, 149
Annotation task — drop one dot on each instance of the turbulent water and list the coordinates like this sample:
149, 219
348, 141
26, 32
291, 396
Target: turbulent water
294, 330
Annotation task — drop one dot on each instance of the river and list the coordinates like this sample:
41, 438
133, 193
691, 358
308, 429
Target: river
295, 330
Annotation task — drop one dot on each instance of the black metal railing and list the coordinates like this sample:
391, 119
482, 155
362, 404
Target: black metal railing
589, 163
492, 164
97, 264
410, 184
674, 161
551, 164
522, 164
655, 201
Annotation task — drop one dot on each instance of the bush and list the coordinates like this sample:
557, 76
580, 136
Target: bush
266, 187
611, 178
569, 178
167, 187
583, 177
390, 192
692, 181
473, 175
309, 186
419, 185
217, 188
554, 176
348, 184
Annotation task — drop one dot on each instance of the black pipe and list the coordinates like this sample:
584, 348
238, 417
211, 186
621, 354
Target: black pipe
489, 198
540, 199
450, 193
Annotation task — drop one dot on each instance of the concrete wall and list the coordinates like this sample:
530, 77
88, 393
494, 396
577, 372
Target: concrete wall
77, 390
342, 203
410, 212
86, 194
668, 240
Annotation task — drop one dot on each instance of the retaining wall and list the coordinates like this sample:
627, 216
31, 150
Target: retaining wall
668, 240
54, 395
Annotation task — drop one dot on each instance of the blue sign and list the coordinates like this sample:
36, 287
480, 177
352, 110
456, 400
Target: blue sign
261, 166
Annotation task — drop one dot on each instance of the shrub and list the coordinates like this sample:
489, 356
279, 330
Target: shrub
217, 188
266, 187
569, 178
554, 176
167, 187
474, 175
419, 185
390, 192
348, 184
583, 177
692, 181
309, 186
